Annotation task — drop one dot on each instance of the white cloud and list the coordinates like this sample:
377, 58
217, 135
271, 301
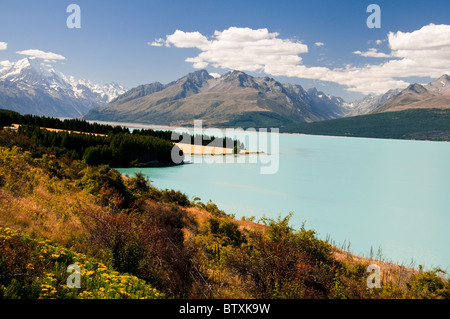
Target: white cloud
428, 37
373, 53
181, 39
3, 45
6, 63
41, 54
215, 75
319, 44
239, 48
379, 42
424, 53
157, 43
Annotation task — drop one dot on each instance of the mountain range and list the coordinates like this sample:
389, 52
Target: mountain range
233, 99
416, 96
237, 99
420, 112
30, 87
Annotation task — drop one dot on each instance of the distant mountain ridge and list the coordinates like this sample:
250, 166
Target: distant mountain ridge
370, 102
420, 112
435, 94
232, 99
30, 87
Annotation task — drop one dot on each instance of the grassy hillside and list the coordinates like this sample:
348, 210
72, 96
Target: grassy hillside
132, 240
422, 124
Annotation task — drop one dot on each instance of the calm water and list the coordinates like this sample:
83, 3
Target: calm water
370, 193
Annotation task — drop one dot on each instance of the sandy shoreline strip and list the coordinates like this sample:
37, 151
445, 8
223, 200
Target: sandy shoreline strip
60, 130
192, 149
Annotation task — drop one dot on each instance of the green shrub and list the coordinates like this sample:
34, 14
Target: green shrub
283, 263
428, 285
107, 185
227, 230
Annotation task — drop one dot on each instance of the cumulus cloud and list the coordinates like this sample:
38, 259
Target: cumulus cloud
239, 48
157, 43
3, 45
5, 64
373, 53
41, 54
181, 39
319, 44
424, 52
215, 75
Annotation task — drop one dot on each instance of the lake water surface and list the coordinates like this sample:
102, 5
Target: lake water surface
371, 193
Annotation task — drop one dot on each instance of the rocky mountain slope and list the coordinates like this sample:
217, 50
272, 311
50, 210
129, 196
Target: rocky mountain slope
232, 99
370, 102
435, 94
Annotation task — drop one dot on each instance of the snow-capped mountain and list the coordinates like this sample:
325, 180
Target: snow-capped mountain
370, 102
30, 87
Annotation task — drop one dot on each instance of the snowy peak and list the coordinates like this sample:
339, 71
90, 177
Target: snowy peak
29, 86
27, 70
30, 72
440, 86
370, 102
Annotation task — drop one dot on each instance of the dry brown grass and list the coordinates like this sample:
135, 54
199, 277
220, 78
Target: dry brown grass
390, 272
202, 216
395, 274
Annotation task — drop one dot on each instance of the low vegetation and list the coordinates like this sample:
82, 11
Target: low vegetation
132, 240
32, 268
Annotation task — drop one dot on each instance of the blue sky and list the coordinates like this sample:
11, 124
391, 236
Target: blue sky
114, 41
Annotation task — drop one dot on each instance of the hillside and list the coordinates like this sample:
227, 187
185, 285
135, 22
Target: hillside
232, 98
420, 124
132, 240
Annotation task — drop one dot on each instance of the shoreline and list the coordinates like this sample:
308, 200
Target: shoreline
193, 149
190, 128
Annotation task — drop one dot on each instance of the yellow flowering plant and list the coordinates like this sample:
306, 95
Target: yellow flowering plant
43, 272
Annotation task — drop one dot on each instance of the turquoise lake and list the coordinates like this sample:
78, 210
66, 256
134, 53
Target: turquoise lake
371, 193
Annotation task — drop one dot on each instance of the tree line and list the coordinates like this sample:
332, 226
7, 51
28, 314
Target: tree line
8, 117
115, 149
